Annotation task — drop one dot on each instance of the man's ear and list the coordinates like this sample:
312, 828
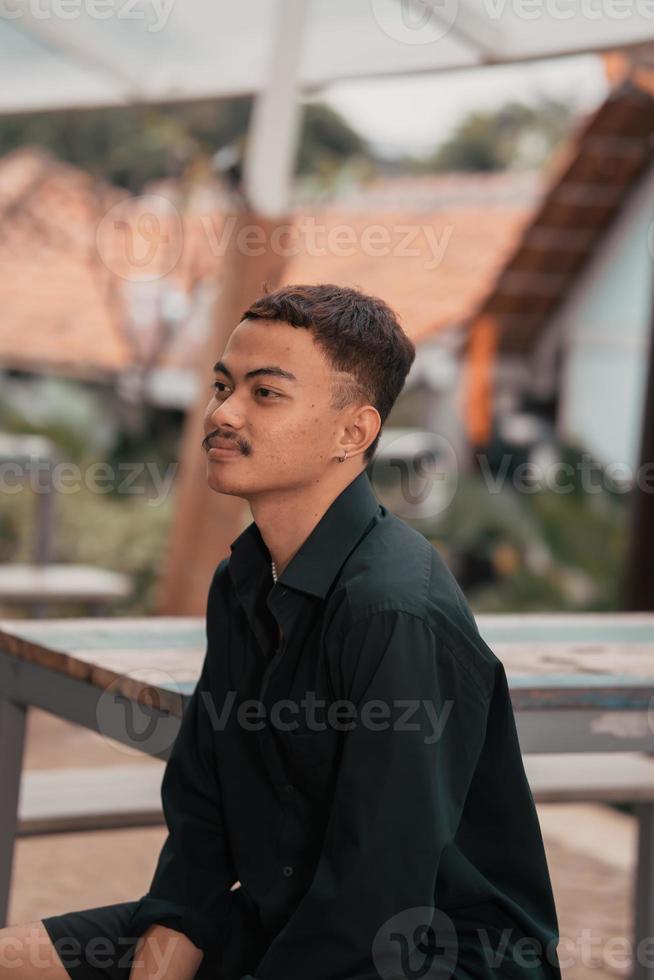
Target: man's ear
362, 429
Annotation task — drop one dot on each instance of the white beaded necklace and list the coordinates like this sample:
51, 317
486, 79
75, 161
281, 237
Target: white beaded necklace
274, 571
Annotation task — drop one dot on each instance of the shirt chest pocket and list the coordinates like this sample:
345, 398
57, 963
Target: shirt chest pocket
308, 749
311, 761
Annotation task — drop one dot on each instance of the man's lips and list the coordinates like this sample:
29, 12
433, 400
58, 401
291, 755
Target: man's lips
221, 447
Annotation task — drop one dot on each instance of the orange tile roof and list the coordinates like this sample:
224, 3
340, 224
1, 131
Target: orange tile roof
435, 266
65, 286
55, 314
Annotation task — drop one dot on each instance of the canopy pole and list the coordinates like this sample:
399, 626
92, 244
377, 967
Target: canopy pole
638, 579
272, 137
205, 523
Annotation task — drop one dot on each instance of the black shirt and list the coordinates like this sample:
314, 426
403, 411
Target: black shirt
362, 779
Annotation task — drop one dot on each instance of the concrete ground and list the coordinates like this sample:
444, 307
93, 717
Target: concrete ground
590, 850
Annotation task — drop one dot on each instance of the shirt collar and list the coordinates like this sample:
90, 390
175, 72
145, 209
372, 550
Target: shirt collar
314, 566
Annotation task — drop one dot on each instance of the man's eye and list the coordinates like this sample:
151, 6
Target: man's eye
220, 387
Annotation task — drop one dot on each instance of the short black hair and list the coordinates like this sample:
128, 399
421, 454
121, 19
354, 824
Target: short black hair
360, 334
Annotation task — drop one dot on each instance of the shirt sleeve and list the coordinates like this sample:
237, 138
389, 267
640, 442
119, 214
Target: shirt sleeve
403, 777
190, 889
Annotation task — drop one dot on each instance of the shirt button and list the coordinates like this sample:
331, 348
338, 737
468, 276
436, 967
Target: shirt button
288, 787
288, 871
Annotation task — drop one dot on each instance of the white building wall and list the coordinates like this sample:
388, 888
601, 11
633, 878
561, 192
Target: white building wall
605, 325
436, 370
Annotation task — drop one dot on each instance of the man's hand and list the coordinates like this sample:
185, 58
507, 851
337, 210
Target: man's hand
165, 954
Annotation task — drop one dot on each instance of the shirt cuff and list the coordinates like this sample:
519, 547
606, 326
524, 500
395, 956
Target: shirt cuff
204, 933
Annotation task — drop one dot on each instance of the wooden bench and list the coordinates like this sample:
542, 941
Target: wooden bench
73, 799
581, 777
56, 801
46, 585
42, 584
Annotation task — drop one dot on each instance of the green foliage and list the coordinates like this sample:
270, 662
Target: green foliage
119, 521
72, 414
122, 533
129, 146
548, 550
516, 135
578, 541
326, 141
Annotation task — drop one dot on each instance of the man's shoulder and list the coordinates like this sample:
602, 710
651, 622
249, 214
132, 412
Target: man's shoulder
221, 569
219, 575
395, 564
397, 572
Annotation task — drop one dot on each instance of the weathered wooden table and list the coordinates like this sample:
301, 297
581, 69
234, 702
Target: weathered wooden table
579, 683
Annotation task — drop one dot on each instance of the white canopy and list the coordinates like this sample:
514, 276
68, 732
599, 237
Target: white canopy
58, 54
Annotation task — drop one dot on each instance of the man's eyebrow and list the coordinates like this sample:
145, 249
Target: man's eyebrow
273, 370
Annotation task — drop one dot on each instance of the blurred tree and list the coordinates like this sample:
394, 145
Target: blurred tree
516, 135
327, 140
130, 146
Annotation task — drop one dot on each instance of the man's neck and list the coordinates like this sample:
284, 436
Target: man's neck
285, 519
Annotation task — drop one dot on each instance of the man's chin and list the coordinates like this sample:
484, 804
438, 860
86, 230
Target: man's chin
222, 479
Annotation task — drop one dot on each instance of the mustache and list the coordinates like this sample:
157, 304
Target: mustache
206, 442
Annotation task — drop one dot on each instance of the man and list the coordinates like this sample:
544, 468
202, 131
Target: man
345, 798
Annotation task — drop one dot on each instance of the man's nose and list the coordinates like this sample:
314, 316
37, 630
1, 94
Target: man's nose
228, 412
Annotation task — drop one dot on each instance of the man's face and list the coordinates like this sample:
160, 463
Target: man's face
281, 430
